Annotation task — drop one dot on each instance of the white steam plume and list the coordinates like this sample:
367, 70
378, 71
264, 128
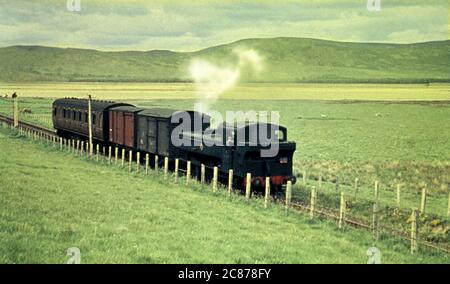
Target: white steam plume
212, 80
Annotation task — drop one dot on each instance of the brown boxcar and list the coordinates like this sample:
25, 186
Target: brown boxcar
122, 121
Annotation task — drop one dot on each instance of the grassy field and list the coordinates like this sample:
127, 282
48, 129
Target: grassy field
250, 91
51, 200
391, 133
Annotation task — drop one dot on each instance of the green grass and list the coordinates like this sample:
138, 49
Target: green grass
51, 200
406, 143
285, 60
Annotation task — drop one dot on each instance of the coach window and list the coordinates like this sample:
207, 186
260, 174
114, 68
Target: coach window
85, 117
94, 119
74, 115
64, 113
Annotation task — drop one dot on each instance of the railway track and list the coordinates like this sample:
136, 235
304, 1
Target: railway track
298, 206
29, 126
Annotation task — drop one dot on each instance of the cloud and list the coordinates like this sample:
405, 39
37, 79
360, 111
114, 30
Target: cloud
188, 26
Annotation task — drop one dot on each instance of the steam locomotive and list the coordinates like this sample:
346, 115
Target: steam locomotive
159, 131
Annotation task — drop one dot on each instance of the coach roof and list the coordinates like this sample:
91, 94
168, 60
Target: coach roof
83, 104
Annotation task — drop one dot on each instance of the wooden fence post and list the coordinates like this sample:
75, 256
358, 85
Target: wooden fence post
215, 178
77, 147
116, 155
376, 191
109, 154
230, 181
156, 163
398, 196
177, 165
138, 162
97, 150
130, 158
202, 174
288, 195
188, 172
123, 157
375, 222
423, 201
60, 143
15, 110
82, 148
248, 186
267, 193
146, 163
312, 206
356, 186
414, 231
166, 167
342, 209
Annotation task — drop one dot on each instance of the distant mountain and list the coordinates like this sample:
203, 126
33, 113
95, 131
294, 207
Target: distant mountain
285, 60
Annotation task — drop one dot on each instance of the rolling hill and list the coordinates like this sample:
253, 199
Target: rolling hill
285, 60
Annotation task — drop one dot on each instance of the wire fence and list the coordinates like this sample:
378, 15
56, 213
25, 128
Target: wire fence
112, 155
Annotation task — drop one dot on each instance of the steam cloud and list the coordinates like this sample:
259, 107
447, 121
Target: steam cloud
212, 80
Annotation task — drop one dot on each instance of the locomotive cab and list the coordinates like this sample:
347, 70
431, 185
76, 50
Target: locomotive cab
263, 151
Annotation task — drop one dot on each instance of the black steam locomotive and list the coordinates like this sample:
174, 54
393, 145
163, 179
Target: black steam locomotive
153, 131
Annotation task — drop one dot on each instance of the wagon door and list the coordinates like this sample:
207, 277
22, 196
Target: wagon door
152, 133
147, 134
116, 127
142, 133
128, 119
163, 137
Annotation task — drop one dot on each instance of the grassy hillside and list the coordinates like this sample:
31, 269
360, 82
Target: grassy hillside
53, 200
285, 60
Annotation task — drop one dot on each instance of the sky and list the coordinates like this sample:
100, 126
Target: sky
193, 25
